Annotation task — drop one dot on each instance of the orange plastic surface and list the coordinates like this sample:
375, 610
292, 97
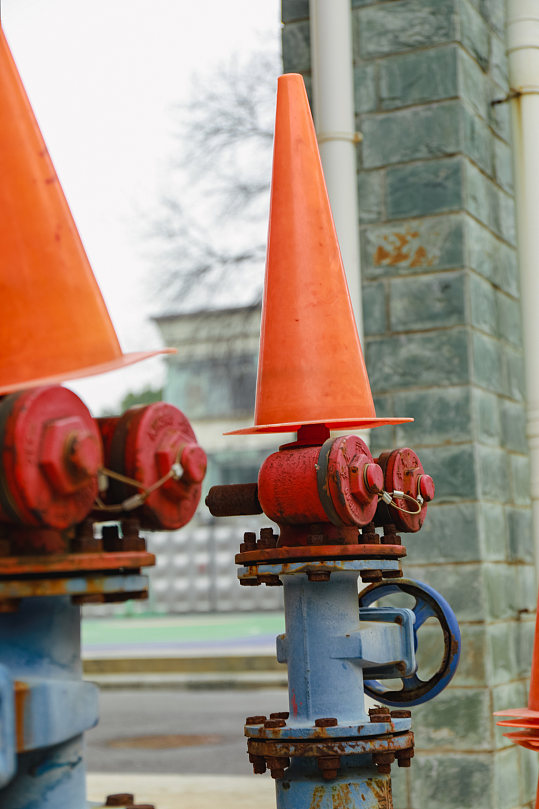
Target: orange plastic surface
311, 368
54, 324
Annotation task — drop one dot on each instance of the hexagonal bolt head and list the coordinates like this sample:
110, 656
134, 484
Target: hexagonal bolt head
275, 723
277, 765
120, 799
404, 757
318, 575
326, 722
69, 455
383, 762
379, 714
371, 575
259, 764
255, 720
270, 580
329, 766
365, 481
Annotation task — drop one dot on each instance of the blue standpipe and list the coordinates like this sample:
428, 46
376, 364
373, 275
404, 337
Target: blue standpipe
330, 750
49, 705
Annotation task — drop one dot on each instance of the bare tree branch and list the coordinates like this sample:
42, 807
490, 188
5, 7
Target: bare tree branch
211, 223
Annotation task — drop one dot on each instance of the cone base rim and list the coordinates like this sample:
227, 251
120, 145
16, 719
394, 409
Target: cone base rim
332, 424
91, 370
519, 713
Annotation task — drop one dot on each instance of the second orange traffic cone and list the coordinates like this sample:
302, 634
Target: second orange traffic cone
311, 368
54, 324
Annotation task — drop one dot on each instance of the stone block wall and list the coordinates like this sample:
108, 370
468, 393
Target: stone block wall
443, 344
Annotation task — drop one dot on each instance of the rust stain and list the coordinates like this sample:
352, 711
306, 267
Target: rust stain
381, 789
399, 249
419, 258
22, 690
340, 796
318, 797
381, 255
294, 704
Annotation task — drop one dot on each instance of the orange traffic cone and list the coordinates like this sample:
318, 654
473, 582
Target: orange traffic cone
54, 324
527, 718
311, 368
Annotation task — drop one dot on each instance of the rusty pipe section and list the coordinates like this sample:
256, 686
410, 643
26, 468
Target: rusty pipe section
233, 500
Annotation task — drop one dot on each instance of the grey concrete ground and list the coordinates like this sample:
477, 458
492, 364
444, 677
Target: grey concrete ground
128, 715
187, 791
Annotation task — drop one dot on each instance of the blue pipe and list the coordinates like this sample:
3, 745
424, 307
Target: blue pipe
40, 651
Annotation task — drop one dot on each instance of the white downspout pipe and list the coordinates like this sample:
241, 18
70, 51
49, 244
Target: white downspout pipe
523, 54
333, 101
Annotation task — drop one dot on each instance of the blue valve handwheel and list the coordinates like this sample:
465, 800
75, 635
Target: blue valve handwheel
428, 603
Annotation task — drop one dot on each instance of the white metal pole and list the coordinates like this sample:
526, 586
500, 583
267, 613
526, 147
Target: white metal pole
523, 55
333, 101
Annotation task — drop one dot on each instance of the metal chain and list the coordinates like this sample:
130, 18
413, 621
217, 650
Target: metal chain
136, 500
388, 498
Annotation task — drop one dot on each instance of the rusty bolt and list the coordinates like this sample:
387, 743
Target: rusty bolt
270, 580
250, 582
383, 762
279, 715
140, 806
426, 488
401, 714
267, 539
132, 541
318, 575
371, 575
84, 541
404, 757
69, 454
249, 542
259, 764
390, 535
277, 765
326, 722
392, 574
275, 723
119, 799
379, 714
89, 598
111, 538
369, 535
255, 720
329, 766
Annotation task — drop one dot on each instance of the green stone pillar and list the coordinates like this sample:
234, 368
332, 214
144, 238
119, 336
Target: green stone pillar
443, 344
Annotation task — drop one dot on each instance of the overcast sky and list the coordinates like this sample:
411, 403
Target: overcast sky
103, 79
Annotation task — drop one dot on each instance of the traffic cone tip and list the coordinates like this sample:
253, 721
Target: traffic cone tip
311, 368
